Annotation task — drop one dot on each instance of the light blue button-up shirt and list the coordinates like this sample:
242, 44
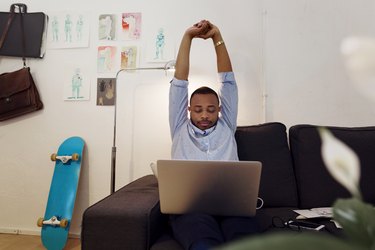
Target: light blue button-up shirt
215, 143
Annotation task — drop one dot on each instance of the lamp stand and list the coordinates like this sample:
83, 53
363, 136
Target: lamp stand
170, 65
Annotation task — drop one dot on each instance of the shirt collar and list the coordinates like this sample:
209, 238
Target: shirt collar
198, 132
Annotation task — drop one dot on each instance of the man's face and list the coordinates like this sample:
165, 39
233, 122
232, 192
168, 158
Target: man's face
204, 110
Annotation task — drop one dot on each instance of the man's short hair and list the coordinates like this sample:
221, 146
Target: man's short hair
205, 91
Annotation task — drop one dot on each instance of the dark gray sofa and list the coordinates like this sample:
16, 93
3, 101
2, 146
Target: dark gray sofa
293, 176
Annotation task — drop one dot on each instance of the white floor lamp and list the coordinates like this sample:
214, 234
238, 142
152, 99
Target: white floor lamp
170, 65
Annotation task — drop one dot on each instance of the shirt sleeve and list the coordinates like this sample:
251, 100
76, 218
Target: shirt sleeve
228, 95
178, 104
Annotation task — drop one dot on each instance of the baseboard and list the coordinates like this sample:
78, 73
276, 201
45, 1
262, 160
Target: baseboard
8, 231
30, 232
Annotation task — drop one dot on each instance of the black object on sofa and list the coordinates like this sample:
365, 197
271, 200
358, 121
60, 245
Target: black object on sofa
291, 178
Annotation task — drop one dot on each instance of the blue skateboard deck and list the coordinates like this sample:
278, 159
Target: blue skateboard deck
57, 218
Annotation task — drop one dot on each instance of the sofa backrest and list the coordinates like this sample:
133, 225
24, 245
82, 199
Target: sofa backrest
316, 187
268, 143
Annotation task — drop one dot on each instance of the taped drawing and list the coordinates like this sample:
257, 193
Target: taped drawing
107, 27
76, 84
131, 26
159, 47
68, 30
106, 59
106, 91
129, 57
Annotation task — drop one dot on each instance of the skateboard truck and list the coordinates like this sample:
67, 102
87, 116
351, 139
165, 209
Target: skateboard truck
54, 221
65, 158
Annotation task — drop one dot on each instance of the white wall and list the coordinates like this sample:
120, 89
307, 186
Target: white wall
286, 50
305, 74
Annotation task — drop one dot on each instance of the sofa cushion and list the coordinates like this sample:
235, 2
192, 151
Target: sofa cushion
316, 186
268, 144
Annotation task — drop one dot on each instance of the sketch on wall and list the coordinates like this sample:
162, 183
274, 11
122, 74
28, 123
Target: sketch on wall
131, 24
76, 84
129, 56
160, 48
106, 91
107, 27
106, 59
68, 30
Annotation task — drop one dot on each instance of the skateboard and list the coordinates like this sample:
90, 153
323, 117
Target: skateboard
62, 194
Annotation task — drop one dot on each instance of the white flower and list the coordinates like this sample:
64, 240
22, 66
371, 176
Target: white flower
341, 161
359, 55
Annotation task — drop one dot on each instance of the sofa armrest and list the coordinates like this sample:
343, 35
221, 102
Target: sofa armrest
130, 218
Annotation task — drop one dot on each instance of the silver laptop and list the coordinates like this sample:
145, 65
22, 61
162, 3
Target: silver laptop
228, 188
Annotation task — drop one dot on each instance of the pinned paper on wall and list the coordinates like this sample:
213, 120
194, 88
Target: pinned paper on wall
76, 84
106, 91
131, 24
106, 59
107, 27
159, 47
129, 55
68, 30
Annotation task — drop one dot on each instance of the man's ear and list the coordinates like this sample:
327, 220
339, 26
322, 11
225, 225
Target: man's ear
219, 108
189, 108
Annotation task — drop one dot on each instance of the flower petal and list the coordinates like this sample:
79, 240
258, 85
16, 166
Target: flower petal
359, 55
341, 161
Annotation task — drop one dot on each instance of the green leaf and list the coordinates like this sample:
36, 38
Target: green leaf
357, 219
289, 241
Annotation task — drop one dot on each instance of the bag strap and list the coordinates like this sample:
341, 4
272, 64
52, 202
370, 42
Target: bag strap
22, 8
6, 29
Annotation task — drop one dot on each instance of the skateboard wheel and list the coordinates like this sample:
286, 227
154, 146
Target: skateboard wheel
53, 157
40, 222
75, 157
64, 223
